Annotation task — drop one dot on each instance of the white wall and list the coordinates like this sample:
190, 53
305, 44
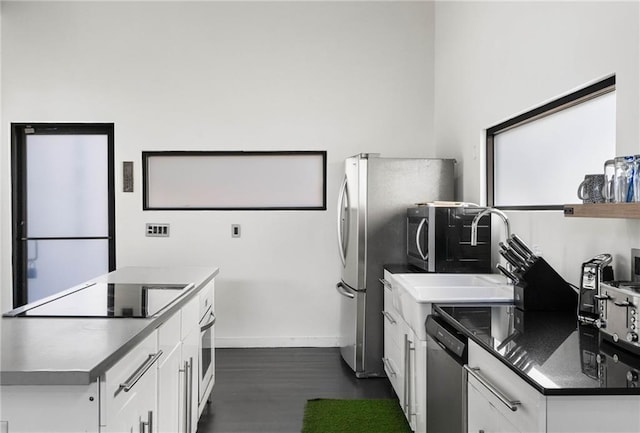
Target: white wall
346, 77
497, 59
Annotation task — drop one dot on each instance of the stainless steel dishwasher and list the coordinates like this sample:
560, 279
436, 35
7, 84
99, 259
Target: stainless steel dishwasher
446, 377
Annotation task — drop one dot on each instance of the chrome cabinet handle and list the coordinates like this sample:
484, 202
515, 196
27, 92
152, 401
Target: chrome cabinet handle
188, 390
511, 404
625, 303
418, 232
148, 424
209, 324
387, 285
408, 348
341, 195
388, 368
343, 291
389, 317
135, 377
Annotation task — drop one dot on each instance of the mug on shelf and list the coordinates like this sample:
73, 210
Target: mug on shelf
591, 189
610, 179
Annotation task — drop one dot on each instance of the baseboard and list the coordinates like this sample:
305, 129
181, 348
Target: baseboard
228, 342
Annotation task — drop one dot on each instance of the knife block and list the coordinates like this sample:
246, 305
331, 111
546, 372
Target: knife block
541, 288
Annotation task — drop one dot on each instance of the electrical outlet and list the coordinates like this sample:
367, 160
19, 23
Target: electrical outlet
157, 230
235, 230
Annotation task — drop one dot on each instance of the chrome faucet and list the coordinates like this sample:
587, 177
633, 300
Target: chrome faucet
489, 210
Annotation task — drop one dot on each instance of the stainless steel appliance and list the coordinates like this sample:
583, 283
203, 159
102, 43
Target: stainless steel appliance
592, 275
446, 377
619, 308
372, 204
439, 239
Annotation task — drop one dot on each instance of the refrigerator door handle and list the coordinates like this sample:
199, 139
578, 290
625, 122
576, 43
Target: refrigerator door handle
418, 233
341, 196
343, 291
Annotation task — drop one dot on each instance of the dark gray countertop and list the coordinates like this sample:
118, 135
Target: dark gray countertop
549, 350
76, 351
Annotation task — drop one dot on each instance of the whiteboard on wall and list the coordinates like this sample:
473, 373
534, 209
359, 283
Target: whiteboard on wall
207, 180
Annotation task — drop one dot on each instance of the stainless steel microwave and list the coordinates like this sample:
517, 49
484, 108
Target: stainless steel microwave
439, 239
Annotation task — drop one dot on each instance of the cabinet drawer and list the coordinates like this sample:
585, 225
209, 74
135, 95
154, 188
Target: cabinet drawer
395, 372
392, 326
390, 291
494, 377
144, 354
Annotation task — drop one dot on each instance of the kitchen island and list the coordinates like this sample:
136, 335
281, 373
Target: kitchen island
110, 373
542, 371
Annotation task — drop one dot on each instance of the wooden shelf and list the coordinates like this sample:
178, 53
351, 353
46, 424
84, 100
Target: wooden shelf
603, 210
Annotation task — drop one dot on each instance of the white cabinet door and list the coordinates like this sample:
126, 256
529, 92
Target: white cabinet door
481, 416
410, 376
190, 349
519, 407
170, 393
130, 389
137, 414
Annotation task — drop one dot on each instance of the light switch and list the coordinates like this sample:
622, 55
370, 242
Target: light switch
157, 230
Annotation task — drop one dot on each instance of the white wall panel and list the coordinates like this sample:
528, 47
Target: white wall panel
498, 59
346, 77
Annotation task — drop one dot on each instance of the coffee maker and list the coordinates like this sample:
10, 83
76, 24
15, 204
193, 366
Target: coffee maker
593, 273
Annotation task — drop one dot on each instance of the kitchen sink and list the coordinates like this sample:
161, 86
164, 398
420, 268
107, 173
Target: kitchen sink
451, 280
417, 292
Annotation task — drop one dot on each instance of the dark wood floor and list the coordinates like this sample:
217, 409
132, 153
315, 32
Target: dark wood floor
265, 390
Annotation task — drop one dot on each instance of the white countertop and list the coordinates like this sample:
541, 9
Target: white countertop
76, 351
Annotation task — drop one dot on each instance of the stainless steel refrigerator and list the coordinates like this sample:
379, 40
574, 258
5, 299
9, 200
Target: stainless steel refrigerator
372, 207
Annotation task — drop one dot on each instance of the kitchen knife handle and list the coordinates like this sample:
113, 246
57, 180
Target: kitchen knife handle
510, 275
522, 245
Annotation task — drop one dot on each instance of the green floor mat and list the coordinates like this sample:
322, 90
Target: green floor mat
354, 416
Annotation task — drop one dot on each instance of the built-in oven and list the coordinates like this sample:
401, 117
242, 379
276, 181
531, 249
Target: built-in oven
206, 353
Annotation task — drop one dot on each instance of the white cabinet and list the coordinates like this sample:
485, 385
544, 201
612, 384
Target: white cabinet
500, 401
129, 400
178, 371
514, 405
170, 393
190, 337
153, 388
394, 329
405, 358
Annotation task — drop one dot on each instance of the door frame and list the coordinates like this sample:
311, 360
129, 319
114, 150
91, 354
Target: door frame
19, 132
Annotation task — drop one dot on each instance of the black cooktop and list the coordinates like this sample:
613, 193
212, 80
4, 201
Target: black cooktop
127, 300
